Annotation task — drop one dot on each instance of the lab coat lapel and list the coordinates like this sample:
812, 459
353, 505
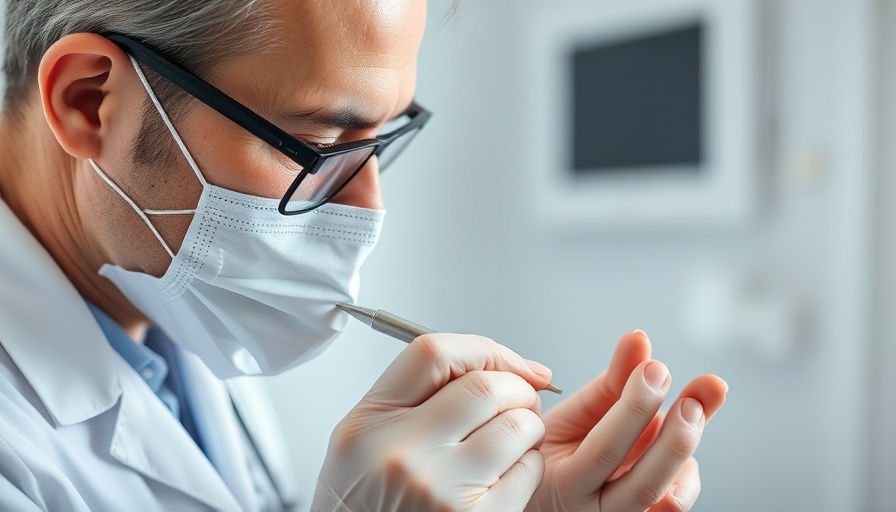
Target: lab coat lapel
253, 404
150, 440
55, 342
221, 438
49, 333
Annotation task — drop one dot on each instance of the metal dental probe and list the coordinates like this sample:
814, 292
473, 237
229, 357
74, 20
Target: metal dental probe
398, 327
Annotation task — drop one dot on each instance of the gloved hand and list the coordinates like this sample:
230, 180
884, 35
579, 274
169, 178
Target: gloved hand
453, 424
607, 450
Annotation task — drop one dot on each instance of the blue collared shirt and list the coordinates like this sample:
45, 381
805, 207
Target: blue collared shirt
150, 366
159, 362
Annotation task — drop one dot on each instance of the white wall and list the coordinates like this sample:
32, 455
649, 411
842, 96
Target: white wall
457, 254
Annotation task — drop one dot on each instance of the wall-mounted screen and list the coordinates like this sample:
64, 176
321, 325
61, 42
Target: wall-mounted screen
638, 104
644, 113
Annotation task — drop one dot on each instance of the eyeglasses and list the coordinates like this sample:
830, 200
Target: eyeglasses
323, 171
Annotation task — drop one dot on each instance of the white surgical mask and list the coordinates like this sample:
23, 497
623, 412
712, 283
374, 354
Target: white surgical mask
251, 291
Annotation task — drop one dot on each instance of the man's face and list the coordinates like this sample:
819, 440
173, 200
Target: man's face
330, 61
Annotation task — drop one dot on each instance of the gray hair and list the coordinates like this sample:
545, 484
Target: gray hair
197, 34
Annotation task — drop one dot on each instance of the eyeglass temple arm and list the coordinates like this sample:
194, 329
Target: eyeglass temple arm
213, 97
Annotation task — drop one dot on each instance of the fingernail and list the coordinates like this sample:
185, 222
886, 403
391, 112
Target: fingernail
691, 411
656, 375
642, 333
540, 369
680, 494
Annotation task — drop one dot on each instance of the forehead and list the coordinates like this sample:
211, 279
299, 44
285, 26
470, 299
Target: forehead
358, 54
367, 27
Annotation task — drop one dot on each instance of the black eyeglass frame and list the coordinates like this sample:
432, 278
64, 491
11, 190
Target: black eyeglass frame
306, 155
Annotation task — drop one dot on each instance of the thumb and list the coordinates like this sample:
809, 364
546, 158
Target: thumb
433, 360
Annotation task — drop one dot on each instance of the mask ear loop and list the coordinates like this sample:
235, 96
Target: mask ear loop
134, 206
167, 121
183, 149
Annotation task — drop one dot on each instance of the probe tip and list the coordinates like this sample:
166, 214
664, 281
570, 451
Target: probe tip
553, 389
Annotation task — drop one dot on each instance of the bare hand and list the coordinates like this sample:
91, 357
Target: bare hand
608, 450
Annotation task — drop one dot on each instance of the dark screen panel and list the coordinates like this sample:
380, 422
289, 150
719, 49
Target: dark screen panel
638, 103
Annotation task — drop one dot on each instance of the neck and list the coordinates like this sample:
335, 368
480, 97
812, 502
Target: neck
39, 181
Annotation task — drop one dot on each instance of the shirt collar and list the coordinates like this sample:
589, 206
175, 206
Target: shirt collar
151, 367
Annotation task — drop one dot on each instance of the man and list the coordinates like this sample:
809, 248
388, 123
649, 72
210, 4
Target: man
142, 205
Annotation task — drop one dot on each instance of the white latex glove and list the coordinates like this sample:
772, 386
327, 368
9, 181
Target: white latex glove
453, 424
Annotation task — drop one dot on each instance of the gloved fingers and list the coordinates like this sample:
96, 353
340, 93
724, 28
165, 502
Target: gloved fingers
577, 415
492, 449
515, 488
684, 492
433, 360
605, 448
652, 476
469, 402
537, 410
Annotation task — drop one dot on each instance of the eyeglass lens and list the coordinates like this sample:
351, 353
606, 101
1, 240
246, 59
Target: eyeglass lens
394, 148
333, 173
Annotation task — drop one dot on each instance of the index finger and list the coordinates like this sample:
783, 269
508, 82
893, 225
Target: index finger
433, 360
580, 412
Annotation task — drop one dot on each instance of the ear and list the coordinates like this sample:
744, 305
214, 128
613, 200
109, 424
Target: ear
84, 81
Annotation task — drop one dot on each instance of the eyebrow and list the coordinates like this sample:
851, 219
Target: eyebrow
344, 118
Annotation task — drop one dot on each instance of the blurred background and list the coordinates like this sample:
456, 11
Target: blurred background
791, 301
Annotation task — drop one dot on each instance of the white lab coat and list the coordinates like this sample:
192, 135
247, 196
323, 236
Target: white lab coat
80, 430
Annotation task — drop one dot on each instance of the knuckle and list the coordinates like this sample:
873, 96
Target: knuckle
513, 424
646, 496
498, 354
684, 445
429, 349
521, 423
345, 437
606, 457
479, 343
525, 471
420, 489
530, 467
480, 387
487, 343
395, 466
643, 406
